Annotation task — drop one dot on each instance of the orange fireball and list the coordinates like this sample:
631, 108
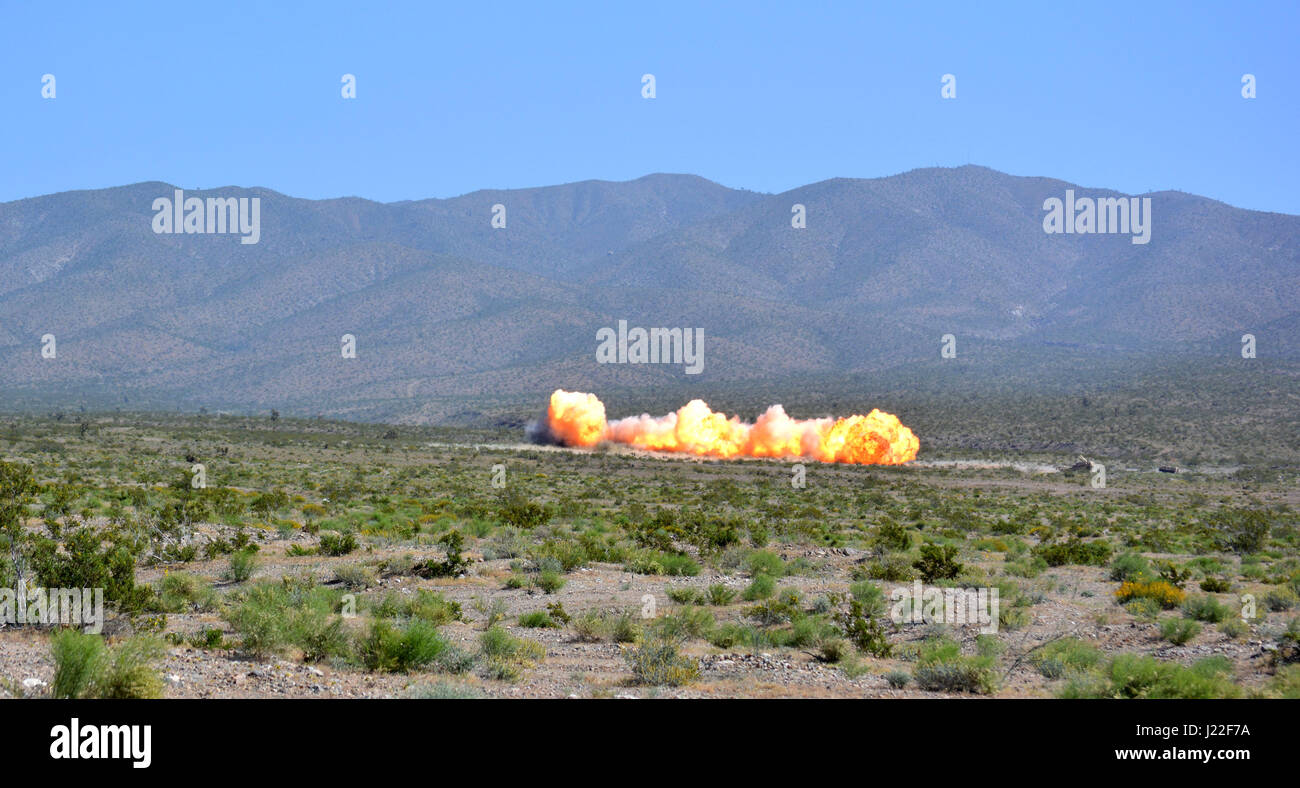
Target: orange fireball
879, 438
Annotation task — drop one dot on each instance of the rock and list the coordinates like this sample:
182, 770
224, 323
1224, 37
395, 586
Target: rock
33, 683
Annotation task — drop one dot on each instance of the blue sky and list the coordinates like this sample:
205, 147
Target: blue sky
1131, 96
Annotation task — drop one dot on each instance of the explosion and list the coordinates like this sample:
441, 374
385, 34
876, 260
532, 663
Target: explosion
578, 419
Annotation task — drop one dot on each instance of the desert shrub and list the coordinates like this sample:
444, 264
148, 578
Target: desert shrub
1063, 657
652, 562
941, 667
656, 661
1235, 628
428, 606
536, 619
762, 587
356, 577
1242, 530
1285, 683
129, 673
454, 565
86, 557
617, 626
78, 660
568, 554
832, 649
731, 634
891, 568
1075, 552
1011, 618
1173, 574
1206, 608
444, 691
1216, 585
688, 622
1179, 630
892, 536
386, 648
871, 596
764, 562
810, 631
550, 581
242, 565
504, 655
180, 592
684, 595
272, 617
1130, 566
85, 668
333, 543
1278, 599
898, 679
1134, 676
862, 629
1159, 591
1032, 566
517, 510
937, 562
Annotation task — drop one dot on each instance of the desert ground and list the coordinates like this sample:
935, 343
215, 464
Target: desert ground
326, 559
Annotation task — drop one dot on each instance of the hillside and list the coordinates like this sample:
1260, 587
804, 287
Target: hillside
447, 309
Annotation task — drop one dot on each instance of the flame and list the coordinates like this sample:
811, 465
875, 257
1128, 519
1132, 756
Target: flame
578, 419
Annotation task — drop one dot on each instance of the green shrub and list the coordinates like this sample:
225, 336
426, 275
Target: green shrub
504, 655
78, 660
1075, 552
688, 622
85, 668
1235, 628
129, 674
242, 565
1130, 566
941, 667
656, 661
652, 562
180, 592
1206, 608
1063, 657
863, 630
762, 587
936, 562
720, 595
1216, 585
893, 568
337, 544
537, 619
684, 595
1278, 599
1179, 630
444, 691
763, 562
898, 679
550, 582
356, 577
892, 536
1134, 676
426, 605
387, 648
272, 617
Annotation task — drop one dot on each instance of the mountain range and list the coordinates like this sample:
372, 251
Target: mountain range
447, 309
